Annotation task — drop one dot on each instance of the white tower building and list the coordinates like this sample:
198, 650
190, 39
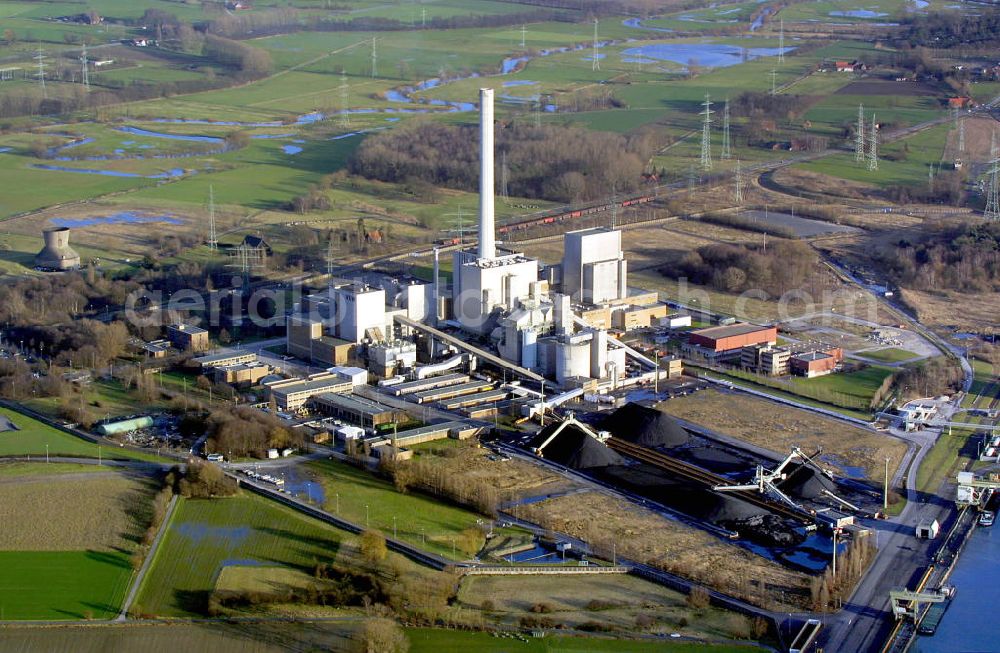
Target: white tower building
485, 282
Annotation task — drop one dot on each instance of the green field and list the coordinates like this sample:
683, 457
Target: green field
861, 384
32, 437
62, 584
420, 520
890, 355
204, 536
425, 640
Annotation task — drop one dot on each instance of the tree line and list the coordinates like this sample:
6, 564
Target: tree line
964, 257
558, 163
783, 266
953, 28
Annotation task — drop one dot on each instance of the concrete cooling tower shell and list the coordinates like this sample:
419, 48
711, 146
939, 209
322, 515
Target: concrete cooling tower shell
57, 254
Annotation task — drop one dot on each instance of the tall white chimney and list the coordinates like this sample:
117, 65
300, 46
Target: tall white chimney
487, 227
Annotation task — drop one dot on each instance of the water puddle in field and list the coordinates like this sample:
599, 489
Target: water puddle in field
519, 82
169, 174
858, 13
636, 23
199, 532
710, 55
124, 217
5, 149
174, 137
291, 149
758, 22
270, 136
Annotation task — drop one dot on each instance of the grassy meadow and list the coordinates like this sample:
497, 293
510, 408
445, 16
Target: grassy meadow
67, 540
205, 536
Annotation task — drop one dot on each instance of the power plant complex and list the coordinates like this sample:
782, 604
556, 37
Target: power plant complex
550, 319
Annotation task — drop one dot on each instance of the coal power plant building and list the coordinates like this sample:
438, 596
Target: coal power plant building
57, 254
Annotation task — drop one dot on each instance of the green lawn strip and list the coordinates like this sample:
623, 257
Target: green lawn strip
32, 437
890, 355
205, 535
944, 460
785, 395
62, 584
427, 640
420, 520
16, 469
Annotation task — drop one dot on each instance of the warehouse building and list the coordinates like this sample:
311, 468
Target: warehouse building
356, 410
815, 363
225, 358
291, 395
242, 375
725, 343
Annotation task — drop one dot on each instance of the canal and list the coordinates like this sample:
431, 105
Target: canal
968, 623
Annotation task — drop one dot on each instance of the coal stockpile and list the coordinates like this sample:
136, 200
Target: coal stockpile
574, 448
802, 481
682, 495
646, 426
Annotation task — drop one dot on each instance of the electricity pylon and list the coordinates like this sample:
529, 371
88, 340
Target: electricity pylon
738, 178
992, 209
726, 146
781, 42
86, 70
873, 146
40, 58
859, 136
595, 63
213, 238
706, 135
345, 114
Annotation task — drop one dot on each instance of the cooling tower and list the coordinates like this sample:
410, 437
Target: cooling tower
57, 254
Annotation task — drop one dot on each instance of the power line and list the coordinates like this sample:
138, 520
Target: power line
595, 63
86, 70
504, 176
213, 239
40, 75
859, 137
345, 114
738, 178
992, 209
706, 134
781, 42
726, 147
873, 146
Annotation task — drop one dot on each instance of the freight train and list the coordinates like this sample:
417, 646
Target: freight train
561, 215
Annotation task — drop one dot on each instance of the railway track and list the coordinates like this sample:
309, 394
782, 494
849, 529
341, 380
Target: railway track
702, 477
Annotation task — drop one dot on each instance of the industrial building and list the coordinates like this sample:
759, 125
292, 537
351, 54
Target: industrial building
485, 282
188, 337
725, 343
290, 395
356, 410
242, 375
814, 363
766, 359
594, 269
57, 254
225, 358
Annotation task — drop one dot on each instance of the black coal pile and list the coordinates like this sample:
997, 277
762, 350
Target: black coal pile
767, 529
687, 497
713, 458
646, 426
574, 448
805, 482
